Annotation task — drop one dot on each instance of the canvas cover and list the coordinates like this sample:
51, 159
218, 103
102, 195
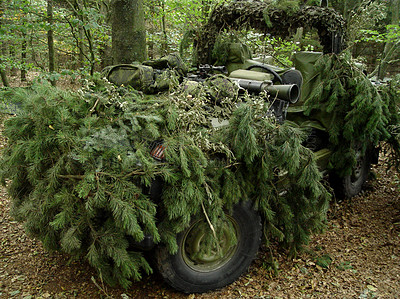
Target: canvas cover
305, 63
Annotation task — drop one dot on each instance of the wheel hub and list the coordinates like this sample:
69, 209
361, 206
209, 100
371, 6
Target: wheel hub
202, 252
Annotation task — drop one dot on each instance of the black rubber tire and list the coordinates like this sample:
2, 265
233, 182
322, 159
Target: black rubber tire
350, 185
181, 276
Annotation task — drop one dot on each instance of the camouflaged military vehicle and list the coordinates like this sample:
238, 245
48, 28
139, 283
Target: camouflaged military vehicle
190, 270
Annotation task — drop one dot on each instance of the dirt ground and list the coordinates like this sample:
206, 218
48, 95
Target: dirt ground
358, 256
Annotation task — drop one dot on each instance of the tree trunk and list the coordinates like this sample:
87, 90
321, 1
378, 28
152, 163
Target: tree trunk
13, 57
205, 10
80, 47
81, 33
50, 39
128, 31
2, 70
390, 46
346, 10
23, 57
4, 78
164, 44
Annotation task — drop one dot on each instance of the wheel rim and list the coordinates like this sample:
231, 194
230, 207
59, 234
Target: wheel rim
193, 245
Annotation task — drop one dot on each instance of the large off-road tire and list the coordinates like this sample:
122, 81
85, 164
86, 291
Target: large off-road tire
192, 272
351, 185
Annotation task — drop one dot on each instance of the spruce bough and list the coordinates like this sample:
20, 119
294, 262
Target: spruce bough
78, 166
356, 113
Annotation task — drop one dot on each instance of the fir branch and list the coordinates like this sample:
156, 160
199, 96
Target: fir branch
71, 176
211, 227
91, 110
104, 165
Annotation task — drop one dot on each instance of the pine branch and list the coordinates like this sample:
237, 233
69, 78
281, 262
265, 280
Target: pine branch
71, 176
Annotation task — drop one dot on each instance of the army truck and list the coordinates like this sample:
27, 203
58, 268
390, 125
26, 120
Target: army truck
193, 270
290, 88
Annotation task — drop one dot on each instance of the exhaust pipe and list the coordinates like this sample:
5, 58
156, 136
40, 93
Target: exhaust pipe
290, 92
286, 92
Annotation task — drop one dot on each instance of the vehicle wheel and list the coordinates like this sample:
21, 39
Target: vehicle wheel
192, 271
351, 185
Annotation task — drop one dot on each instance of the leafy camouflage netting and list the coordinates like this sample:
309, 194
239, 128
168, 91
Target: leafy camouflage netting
276, 20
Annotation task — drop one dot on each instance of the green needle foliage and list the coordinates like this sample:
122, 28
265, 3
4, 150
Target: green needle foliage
390, 94
355, 114
78, 167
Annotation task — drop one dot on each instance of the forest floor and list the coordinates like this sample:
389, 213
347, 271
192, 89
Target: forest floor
358, 256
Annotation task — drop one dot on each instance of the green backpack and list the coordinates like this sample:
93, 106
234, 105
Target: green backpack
151, 76
140, 77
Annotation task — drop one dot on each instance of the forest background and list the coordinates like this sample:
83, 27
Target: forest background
75, 38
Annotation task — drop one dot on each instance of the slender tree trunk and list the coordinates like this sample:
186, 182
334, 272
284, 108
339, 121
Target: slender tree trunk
50, 39
390, 46
396, 11
2, 50
205, 9
13, 56
105, 51
4, 78
23, 57
128, 31
297, 38
80, 46
88, 34
91, 51
164, 45
152, 29
346, 10
82, 32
